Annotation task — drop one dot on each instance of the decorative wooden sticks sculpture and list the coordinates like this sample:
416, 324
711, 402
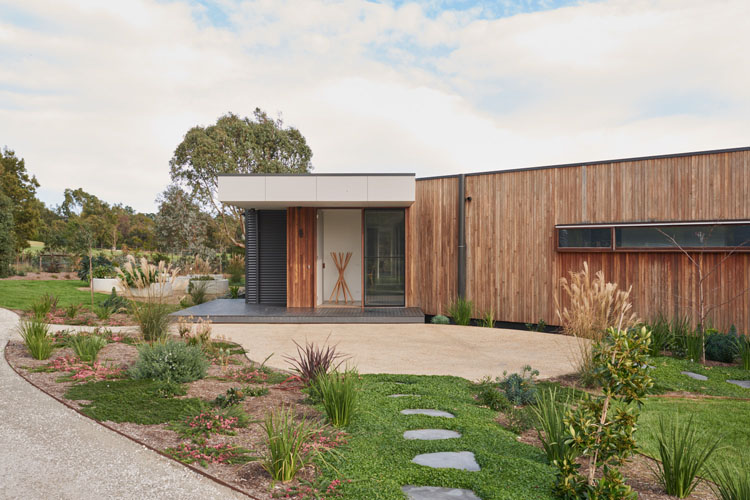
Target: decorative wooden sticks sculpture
341, 262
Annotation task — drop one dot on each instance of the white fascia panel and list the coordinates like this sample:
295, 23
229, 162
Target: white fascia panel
383, 188
291, 188
342, 189
236, 189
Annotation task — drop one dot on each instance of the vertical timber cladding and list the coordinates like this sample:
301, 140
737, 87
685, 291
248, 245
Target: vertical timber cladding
432, 242
251, 256
301, 236
514, 268
272, 257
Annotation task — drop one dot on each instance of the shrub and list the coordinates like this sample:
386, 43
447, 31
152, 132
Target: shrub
743, 351
662, 338
519, 419
602, 428
731, 482
197, 291
440, 320
116, 302
520, 389
683, 452
86, 347
490, 396
285, 440
171, 360
339, 392
234, 292
35, 334
233, 396
721, 346
313, 360
461, 311
595, 305
153, 320
72, 310
551, 427
102, 311
99, 261
236, 268
488, 319
540, 326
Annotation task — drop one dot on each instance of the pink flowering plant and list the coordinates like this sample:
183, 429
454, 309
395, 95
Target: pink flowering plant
204, 454
321, 490
206, 421
78, 371
248, 375
323, 440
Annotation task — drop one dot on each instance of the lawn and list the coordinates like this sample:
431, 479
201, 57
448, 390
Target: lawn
378, 458
667, 377
727, 419
21, 294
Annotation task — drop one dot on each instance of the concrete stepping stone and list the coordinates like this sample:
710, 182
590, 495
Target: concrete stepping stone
404, 395
742, 383
431, 413
431, 434
696, 376
436, 493
461, 460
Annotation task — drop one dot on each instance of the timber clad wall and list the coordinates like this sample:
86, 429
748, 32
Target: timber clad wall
300, 239
432, 266
514, 268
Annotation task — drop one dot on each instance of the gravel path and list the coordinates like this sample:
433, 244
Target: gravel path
49, 451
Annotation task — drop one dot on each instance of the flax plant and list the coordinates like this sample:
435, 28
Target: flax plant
148, 282
285, 440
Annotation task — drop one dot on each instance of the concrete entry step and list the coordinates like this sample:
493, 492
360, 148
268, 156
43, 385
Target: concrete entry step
437, 493
461, 460
431, 413
431, 434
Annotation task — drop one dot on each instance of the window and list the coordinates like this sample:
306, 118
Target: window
665, 236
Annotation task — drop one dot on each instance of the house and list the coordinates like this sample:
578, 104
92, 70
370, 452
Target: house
504, 239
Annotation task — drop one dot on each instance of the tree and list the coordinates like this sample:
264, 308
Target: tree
7, 244
236, 145
180, 224
17, 185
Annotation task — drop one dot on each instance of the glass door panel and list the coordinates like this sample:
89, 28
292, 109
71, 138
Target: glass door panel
385, 245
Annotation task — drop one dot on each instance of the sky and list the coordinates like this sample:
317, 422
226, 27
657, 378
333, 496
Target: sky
98, 94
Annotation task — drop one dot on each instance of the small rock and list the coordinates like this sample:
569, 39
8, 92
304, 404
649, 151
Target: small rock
696, 376
436, 493
431, 434
461, 460
431, 413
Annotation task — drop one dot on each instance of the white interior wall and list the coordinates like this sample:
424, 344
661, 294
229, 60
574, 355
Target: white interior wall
342, 232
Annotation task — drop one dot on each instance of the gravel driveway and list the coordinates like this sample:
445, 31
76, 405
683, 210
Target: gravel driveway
51, 452
418, 349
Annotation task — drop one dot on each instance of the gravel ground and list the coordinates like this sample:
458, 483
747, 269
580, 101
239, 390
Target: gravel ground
51, 452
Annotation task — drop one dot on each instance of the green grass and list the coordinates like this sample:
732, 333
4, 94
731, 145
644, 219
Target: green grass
21, 294
378, 459
130, 401
667, 377
718, 417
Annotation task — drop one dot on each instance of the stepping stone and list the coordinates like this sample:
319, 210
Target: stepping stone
461, 460
436, 493
431, 413
696, 376
431, 434
742, 383
404, 395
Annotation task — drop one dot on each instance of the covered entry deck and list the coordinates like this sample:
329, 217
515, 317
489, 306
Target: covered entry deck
237, 311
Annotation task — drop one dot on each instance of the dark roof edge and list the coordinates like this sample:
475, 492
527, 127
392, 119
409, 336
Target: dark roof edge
399, 174
598, 162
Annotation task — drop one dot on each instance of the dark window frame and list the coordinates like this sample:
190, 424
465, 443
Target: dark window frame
663, 224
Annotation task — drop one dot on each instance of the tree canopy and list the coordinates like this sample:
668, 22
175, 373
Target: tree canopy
20, 188
236, 145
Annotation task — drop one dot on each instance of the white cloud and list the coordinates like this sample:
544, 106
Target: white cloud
98, 94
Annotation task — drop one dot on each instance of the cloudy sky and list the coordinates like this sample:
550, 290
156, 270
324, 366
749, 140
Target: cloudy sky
97, 93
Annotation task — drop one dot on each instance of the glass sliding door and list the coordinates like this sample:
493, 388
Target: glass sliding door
385, 245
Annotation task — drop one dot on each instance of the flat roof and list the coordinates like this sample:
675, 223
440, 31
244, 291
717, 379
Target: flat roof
277, 191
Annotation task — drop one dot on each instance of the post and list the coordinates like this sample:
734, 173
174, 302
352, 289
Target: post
461, 236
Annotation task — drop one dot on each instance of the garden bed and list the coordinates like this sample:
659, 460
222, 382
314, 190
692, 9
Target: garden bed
133, 407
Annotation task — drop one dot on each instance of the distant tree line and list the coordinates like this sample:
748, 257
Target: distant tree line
190, 219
